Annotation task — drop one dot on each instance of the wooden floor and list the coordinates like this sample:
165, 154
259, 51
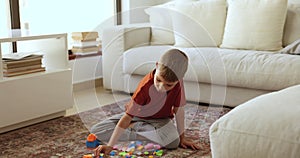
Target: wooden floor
89, 98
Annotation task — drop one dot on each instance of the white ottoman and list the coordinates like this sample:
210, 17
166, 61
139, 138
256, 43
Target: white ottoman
267, 126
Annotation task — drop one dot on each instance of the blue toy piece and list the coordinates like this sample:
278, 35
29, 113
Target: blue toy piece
93, 144
112, 153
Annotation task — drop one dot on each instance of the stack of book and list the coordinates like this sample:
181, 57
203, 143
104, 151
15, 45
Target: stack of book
15, 64
85, 43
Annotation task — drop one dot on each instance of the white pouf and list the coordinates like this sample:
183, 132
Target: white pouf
267, 126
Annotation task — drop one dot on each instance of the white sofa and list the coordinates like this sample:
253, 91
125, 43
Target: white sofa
227, 67
264, 127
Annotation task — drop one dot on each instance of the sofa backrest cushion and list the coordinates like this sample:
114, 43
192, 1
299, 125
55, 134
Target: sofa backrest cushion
161, 23
255, 24
162, 26
292, 24
199, 23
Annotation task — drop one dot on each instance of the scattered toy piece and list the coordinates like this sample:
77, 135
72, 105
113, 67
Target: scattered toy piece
88, 156
92, 142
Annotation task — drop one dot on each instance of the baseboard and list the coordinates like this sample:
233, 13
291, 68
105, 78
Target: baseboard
88, 84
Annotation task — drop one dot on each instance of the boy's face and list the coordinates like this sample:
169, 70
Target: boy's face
161, 84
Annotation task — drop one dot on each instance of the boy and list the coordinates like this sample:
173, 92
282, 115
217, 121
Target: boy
148, 115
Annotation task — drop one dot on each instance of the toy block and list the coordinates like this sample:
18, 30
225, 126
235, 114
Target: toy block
149, 146
92, 142
88, 156
123, 153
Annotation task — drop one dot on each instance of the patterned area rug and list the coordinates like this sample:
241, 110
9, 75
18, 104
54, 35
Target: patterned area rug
65, 137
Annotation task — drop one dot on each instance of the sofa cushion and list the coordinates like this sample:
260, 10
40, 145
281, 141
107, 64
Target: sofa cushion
266, 126
292, 24
238, 68
255, 24
199, 23
141, 60
161, 23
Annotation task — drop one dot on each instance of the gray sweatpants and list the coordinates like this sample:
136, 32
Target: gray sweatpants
160, 131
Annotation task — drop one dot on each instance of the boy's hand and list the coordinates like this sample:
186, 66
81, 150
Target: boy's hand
184, 143
102, 149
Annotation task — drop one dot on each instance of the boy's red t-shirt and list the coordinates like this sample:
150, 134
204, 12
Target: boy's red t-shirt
148, 103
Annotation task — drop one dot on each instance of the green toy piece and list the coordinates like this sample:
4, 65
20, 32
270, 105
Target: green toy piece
123, 153
159, 153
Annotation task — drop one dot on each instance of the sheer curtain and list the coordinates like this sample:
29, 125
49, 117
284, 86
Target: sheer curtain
66, 16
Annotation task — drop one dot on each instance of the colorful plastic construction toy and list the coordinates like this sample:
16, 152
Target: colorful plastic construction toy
92, 142
134, 149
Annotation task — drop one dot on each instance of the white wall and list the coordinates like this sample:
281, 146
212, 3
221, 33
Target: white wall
133, 10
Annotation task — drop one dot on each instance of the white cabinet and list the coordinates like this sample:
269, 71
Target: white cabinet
86, 69
40, 96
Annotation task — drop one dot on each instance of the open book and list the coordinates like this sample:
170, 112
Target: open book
20, 55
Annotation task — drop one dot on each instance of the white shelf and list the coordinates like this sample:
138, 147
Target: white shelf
53, 46
33, 75
39, 96
23, 35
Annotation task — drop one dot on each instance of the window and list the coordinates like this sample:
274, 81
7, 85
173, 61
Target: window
66, 16
5, 25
